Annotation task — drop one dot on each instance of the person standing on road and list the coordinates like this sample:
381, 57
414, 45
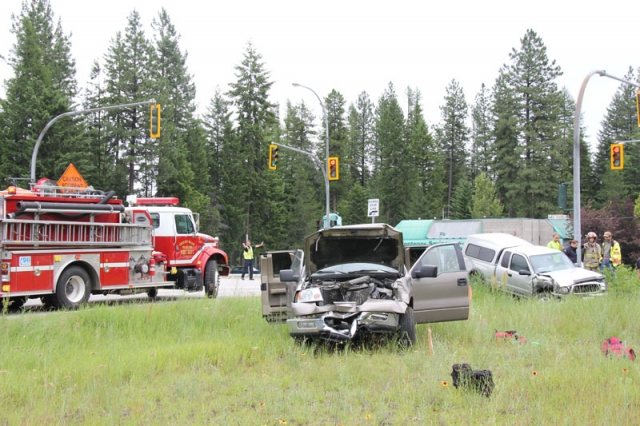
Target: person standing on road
611, 254
555, 242
592, 253
248, 258
570, 251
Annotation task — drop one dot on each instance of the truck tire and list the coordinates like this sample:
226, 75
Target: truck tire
211, 279
407, 331
73, 288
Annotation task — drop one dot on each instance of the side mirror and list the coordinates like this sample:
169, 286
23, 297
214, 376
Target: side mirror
524, 272
425, 271
286, 275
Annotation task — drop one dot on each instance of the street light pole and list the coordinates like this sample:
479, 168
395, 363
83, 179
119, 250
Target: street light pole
327, 222
577, 224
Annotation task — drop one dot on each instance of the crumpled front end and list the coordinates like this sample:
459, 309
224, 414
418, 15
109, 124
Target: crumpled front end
340, 311
580, 283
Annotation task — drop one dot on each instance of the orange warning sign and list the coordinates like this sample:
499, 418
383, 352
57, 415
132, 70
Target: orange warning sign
72, 178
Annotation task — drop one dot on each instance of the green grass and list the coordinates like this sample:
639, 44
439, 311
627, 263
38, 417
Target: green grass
198, 361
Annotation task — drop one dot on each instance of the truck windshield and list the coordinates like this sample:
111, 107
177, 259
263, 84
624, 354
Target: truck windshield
550, 262
184, 225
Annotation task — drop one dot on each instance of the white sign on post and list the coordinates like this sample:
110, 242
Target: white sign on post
374, 207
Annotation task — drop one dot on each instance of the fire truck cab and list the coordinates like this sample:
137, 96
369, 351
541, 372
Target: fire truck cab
193, 260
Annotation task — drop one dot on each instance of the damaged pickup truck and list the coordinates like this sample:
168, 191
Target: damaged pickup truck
351, 282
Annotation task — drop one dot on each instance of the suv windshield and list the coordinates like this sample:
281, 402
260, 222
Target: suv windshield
550, 262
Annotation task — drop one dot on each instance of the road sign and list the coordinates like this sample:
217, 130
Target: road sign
374, 208
72, 178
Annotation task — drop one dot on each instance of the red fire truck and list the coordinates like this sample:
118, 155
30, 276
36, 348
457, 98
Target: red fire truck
63, 244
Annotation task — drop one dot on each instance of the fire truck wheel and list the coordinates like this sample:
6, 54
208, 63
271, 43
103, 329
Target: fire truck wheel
211, 279
73, 288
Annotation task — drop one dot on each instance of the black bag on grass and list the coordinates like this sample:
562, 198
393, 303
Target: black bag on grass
466, 377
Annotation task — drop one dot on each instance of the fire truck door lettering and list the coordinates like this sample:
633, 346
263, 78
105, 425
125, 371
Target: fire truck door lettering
186, 248
25, 261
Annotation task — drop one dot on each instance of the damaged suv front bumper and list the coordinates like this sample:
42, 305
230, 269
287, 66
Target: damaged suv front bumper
342, 327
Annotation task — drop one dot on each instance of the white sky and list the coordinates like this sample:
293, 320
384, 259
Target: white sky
354, 46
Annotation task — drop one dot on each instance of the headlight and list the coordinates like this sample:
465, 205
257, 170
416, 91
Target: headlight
309, 295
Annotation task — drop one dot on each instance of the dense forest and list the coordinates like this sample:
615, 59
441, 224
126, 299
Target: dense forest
502, 153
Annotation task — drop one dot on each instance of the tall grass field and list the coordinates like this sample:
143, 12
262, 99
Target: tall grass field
199, 361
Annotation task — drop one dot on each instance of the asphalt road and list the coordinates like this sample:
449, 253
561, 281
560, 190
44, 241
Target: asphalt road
229, 287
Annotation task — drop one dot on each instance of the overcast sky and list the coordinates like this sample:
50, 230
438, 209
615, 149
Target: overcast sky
355, 46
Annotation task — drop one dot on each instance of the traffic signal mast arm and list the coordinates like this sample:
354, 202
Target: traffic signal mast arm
34, 155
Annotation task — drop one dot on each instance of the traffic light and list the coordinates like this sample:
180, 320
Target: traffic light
334, 170
617, 156
154, 121
638, 105
273, 156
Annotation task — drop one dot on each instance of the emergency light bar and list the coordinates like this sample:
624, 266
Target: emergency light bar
154, 201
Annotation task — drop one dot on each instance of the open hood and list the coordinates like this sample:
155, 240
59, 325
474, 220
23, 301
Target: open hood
373, 243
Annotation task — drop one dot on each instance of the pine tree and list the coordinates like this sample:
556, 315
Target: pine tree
461, 203
182, 167
361, 136
482, 136
253, 203
425, 160
43, 87
619, 124
531, 76
485, 202
338, 146
392, 177
128, 80
453, 135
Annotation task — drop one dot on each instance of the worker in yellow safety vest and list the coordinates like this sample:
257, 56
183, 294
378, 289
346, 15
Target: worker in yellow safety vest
247, 254
555, 242
611, 253
592, 252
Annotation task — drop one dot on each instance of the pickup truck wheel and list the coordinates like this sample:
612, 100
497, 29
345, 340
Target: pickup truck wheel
73, 288
211, 279
407, 331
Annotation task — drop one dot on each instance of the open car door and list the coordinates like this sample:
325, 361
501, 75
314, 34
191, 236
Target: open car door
413, 253
274, 292
445, 295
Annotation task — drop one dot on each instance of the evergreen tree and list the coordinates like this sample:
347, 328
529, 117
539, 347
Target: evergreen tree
362, 136
303, 182
43, 87
425, 160
182, 167
461, 203
532, 76
252, 197
128, 80
338, 146
482, 136
508, 157
485, 202
619, 124
392, 176
453, 135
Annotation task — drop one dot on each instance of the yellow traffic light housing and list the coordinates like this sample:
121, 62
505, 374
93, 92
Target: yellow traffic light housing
617, 156
154, 121
333, 168
273, 156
